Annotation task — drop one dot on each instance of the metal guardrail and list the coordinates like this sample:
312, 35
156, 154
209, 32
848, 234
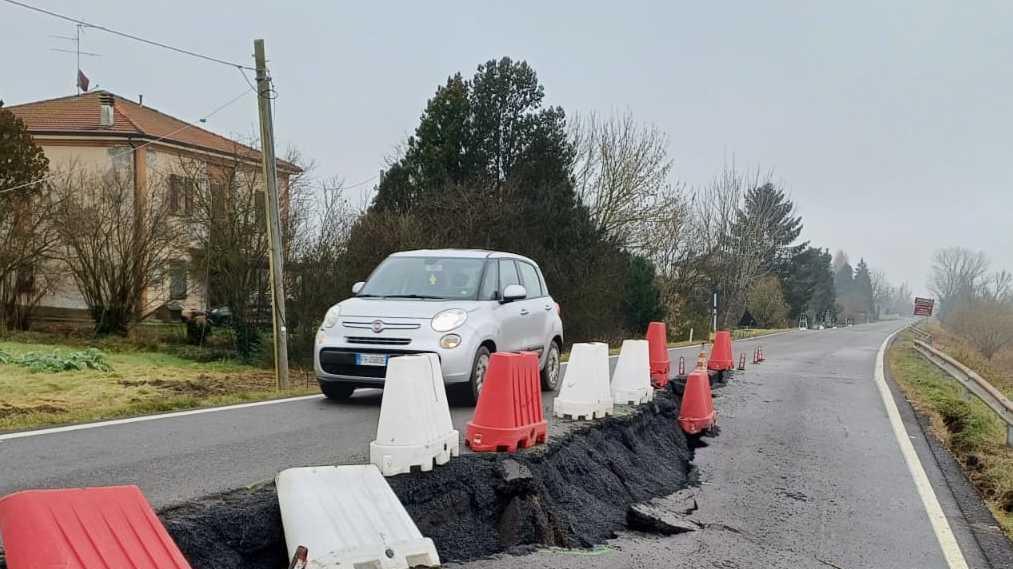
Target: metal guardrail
922, 335
973, 384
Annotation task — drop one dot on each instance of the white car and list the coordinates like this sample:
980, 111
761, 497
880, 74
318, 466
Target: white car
462, 305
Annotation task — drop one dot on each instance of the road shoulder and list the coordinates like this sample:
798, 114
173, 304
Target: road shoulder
976, 530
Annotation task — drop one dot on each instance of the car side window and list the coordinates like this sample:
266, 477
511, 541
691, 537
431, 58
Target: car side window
490, 283
507, 274
531, 282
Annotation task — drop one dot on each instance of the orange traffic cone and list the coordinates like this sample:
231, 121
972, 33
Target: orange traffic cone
696, 414
721, 353
509, 410
657, 340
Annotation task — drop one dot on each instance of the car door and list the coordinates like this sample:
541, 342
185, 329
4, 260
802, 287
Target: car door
536, 317
512, 316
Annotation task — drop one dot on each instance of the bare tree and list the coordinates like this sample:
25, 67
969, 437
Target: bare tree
312, 273
903, 300
622, 173
957, 274
115, 240
987, 323
26, 229
28, 269
882, 292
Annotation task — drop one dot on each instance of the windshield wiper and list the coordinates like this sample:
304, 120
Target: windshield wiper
369, 296
422, 296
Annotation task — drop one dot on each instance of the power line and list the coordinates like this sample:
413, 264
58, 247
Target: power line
349, 187
129, 36
186, 126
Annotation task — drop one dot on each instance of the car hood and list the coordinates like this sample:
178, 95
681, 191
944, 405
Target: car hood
395, 308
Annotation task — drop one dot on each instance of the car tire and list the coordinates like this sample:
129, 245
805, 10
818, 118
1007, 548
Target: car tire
467, 393
551, 372
337, 391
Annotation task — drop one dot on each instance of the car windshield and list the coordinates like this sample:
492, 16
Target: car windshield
425, 278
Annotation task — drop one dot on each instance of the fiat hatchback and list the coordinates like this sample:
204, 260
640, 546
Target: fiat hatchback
462, 305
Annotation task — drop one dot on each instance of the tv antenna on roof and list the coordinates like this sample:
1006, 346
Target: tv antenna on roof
82, 79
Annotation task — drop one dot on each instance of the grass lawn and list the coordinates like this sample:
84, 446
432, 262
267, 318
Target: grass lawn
138, 383
968, 428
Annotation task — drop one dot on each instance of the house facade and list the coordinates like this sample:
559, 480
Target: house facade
101, 133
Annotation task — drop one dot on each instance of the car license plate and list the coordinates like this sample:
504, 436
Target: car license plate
371, 359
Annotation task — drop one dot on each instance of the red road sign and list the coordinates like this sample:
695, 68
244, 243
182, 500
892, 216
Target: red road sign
923, 306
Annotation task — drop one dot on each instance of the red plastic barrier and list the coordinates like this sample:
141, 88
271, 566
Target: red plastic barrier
509, 411
85, 528
657, 341
696, 413
721, 354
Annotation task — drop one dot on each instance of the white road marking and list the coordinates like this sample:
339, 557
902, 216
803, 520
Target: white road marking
114, 422
940, 525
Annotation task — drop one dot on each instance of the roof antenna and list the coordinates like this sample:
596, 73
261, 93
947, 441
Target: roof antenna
82, 81
140, 99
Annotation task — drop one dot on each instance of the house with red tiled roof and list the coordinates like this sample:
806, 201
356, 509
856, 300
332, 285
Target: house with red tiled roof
104, 132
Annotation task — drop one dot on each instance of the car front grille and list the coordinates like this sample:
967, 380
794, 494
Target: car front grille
378, 341
339, 361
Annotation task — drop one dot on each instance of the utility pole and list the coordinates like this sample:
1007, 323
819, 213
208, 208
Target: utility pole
273, 217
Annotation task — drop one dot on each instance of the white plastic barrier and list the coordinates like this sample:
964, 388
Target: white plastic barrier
585, 391
347, 517
414, 427
631, 380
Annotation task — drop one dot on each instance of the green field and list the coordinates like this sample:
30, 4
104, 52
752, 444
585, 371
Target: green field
135, 383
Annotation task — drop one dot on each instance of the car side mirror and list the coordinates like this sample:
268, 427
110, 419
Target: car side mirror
514, 292
358, 287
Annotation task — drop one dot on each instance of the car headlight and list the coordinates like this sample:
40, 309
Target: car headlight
449, 319
331, 318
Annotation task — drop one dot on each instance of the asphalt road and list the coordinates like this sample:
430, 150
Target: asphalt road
806, 472
180, 457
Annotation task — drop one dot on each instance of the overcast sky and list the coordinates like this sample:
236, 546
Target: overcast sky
890, 123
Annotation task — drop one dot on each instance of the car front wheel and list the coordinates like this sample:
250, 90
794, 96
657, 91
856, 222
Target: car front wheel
551, 373
467, 393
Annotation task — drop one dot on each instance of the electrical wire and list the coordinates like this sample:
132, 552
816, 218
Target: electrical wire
349, 187
186, 126
130, 36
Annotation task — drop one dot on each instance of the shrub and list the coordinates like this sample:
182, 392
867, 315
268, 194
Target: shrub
91, 358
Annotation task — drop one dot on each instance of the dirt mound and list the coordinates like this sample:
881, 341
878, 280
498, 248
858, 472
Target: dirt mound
573, 492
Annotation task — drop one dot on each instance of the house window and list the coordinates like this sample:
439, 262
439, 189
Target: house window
180, 197
217, 200
177, 282
24, 280
259, 202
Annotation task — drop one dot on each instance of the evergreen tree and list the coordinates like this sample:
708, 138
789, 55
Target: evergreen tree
863, 292
642, 303
27, 235
489, 167
809, 284
772, 226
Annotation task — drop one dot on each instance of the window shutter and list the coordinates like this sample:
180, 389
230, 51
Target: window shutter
173, 197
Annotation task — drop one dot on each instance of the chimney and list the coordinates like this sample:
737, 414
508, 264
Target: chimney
140, 99
106, 115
